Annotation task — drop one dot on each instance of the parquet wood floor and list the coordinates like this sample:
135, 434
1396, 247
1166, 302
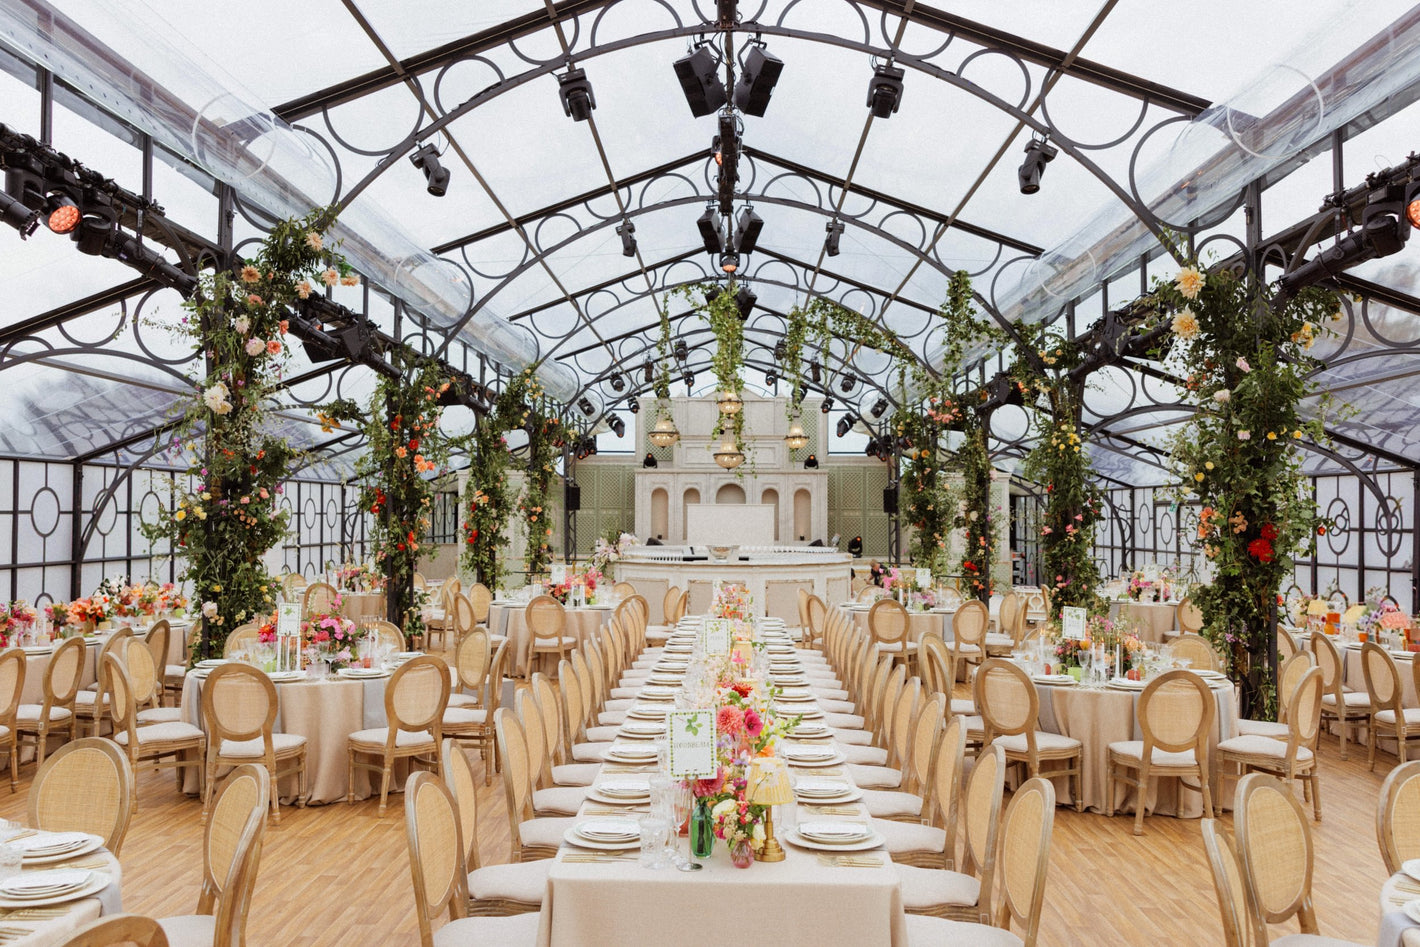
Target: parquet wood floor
339, 875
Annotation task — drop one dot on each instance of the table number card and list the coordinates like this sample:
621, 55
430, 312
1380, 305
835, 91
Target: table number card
924, 578
692, 743
559, 572
715, 636
1072, 623
288, 619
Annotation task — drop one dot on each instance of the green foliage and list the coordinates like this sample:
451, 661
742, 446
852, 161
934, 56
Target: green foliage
225, 524
819, 323
1245, 364
536, 506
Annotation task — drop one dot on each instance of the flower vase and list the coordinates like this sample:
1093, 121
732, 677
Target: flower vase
702, 830
742, 854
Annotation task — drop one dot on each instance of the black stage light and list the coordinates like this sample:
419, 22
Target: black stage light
618, 426
689, 379
885, 90
771, 377
879, 407
709, 224
848, 381
1039, 153
757, 78
815, 372
729, 262
94, 229
745, 300
1383, 231
648, 372
827, 405
576, 92
618, 382
811, 462
845, 424
17, 215
781, 350
436, 176
725, 13
747, 233
633, 405
61, 214
1412, 204
627, 233
682, 351
835, 231
586, 406
650, 460
699, 77
127, 249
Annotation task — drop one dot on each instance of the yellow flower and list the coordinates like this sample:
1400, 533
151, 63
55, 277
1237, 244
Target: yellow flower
1189, 282
180, 515
250, 274
1185, 324
1198, 477
1208, 465
1297, 435
1272, 435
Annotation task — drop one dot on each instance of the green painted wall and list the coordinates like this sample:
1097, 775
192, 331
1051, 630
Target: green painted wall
855, 504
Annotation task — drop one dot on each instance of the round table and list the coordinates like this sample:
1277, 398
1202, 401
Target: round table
1099, 716
358, 606
1396, 927
510, 619
56, 929
325, 712
37, 660
1156, 620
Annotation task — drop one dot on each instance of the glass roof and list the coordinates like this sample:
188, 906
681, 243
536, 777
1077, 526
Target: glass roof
530, 217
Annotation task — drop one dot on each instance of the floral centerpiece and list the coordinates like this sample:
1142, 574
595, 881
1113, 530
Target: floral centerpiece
1151, 585
361, 577
330, 639
747, 726
171, 601
732, 600
85, 613
609, 550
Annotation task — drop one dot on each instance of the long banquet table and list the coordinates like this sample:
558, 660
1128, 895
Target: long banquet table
799, 901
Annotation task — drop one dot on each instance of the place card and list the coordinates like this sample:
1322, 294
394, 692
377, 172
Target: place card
715, 636
288, 619
1072, 622
559, 572
691, 735
924, 578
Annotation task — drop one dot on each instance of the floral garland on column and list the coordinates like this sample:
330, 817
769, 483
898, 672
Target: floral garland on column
1072, 502
489, 500
229, 519
536, 505
1243, 355
974, 511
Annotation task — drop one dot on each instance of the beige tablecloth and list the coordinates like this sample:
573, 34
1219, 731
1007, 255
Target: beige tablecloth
506, 618
1099, 717
1355, 678
1156, 620
54, 930
798, 901
325, 713
37, 663
362, 605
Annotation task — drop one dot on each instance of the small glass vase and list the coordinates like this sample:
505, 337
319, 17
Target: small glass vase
702, 831
742, 854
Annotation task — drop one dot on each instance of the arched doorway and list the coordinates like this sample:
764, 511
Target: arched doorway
730, 493
770, 497
803, 515
660, 513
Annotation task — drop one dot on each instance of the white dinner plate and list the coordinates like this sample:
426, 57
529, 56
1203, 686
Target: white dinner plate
628, 753
572, 837
1412, 868
615, 831
1059, 679
1412, 910
98, 880
1124, 684
211, 663
1211, 675
279, 676
794, 699
874, 840
407, 655
38, 649
835, 832
363, 674
648, 712
82, 844
816, 763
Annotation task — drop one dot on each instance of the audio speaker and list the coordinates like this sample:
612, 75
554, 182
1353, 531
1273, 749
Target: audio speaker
890, 499
573, 496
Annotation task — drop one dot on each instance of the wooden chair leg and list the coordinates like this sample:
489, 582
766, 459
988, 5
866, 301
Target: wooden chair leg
1080, 783
350, 777
1316, 791
1143, 800
1344, 729
1371, 756
1207, 793
385, 774
1109, 789
14, 763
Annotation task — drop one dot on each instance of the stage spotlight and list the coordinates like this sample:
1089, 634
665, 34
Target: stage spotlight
94, 230
845, 424
618, 382
633, 405
576, 92
627, 233
729, 262
61, 214
709, 224
700, 81
835, 232
436, 176
1039, 153
1412, 204
650, 460
847, 383
125, 248
815, 372
618, 426
17, 215
1382, 233
771, 377
586, 406
757, 78
827, 405
682, 351
879, 407
811, 462
747, 232
648, 372
745, 300
689, 379
885, 90
781, 350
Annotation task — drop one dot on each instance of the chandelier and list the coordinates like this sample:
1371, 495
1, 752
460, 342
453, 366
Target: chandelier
796, 439
729, 456
664, 433
728, 402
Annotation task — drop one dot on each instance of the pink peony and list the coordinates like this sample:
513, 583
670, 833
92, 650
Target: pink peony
754, 724
730, 720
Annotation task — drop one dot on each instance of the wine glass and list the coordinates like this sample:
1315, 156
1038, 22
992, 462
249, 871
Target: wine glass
1086, 659
682, 803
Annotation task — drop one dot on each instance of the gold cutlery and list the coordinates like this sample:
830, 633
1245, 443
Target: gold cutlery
851, 861
610, 810
34, 914
592, 859
833, 810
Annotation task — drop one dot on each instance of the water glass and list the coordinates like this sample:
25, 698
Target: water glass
655, 834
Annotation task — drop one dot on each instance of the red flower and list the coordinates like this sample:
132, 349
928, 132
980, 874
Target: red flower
1269, 532
1261, 550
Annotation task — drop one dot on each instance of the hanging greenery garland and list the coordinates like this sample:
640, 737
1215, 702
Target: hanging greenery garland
1042, 374
536, 504
1244, 357
489, 500
227, 521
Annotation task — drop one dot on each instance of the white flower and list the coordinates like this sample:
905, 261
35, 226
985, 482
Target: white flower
215, 395
1185, 324
255, 347
209, 609
1189, 282
241, 324
1222, 396
723, 808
